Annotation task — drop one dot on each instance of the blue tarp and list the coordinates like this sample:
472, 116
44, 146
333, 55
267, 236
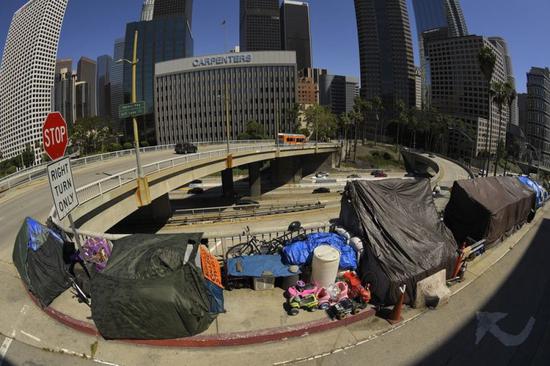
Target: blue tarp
216, 297
256, 265
301, 252
38, 234
534, 187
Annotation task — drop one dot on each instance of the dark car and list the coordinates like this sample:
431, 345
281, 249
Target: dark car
353, 176
374, 172
380, 174
196, 190
246, 204
185, 148
321, 190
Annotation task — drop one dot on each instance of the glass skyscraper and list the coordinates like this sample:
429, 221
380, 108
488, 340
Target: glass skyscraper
260, 26
159, 40
436, 15
295, 34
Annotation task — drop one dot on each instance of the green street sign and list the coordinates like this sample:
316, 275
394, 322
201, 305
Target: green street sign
131, 110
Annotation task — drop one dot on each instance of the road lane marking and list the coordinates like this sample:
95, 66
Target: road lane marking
487, 323
30, 336
9, 339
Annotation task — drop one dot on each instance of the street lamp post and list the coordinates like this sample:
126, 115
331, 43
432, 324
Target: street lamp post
538, 158
471, 141
143, 186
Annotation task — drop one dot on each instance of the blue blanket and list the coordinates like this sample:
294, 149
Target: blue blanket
258, 265
301, 252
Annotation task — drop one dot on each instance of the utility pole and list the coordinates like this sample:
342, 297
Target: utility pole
227, 115
277, 117
134, 100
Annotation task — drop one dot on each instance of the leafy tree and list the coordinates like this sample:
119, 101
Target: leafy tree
92, 135
254, 131
321, 122
28, 155
144, 144
292, 115
114, 146
401, 118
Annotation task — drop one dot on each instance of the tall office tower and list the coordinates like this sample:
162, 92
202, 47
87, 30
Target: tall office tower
104, 65
386, 52
27, 75
64, 91
434, 15
460, 90
147, 10
338, 92
260, 28
117, 77
162, 39
63, 64
87, 71
522, 111
82, 100
170, 8
500, 42
295, 31
538, 112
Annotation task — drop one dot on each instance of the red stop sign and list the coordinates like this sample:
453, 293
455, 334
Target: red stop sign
55, 135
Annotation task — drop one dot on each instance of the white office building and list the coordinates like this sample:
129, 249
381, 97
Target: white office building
27, 75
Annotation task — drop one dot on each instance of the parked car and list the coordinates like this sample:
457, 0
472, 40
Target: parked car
195, 183
380, 174
321, 175
321, 190
374, 172
246, 204
185, 148
195, 190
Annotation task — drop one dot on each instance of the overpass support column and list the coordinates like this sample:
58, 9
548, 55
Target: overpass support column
286, 170
254, 179
158, 212
227, 183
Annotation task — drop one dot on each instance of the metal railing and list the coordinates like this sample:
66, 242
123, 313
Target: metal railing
219, 245
217, 214
29, 174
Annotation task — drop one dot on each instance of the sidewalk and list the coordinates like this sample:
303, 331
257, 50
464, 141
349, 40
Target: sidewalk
24, 321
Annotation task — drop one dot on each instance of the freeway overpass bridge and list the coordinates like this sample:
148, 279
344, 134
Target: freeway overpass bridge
106, 202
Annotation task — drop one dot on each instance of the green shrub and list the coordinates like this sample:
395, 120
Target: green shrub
127, 145
144, 144
387, 156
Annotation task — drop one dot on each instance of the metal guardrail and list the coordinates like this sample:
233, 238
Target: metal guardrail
29, 174
216, 214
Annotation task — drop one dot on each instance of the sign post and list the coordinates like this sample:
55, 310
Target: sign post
55, 138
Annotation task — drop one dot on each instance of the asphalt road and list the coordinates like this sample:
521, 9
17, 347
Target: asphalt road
518, 287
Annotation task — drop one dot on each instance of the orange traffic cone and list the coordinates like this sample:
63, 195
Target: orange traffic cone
395, 316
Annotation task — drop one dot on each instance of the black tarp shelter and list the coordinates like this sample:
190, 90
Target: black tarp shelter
38, 256
488, 208
152, 288
404, 239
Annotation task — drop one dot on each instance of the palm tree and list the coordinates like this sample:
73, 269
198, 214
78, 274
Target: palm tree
500, 91
487, 60
346, 120
401, 117
377, 108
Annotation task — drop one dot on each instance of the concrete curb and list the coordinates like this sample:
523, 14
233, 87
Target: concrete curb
221, 340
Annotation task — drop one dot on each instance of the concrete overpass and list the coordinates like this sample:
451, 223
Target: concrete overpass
106, 202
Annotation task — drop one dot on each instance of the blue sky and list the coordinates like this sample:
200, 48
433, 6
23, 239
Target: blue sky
90, 28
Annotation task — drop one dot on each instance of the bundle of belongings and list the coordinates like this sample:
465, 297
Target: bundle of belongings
301, 252
141, 286
535, 187
403, 238
153, 288
38, 256
488, 208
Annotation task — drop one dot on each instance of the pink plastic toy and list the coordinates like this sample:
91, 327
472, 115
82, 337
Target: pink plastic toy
301, 289
332, 294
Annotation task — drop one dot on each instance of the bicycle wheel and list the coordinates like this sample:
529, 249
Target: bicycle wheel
239, 250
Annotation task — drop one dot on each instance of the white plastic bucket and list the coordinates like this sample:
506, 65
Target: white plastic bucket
326, 261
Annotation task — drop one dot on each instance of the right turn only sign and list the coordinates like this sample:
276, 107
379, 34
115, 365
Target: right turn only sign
62, 186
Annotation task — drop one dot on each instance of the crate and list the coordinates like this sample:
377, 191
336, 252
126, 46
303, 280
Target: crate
263, 283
